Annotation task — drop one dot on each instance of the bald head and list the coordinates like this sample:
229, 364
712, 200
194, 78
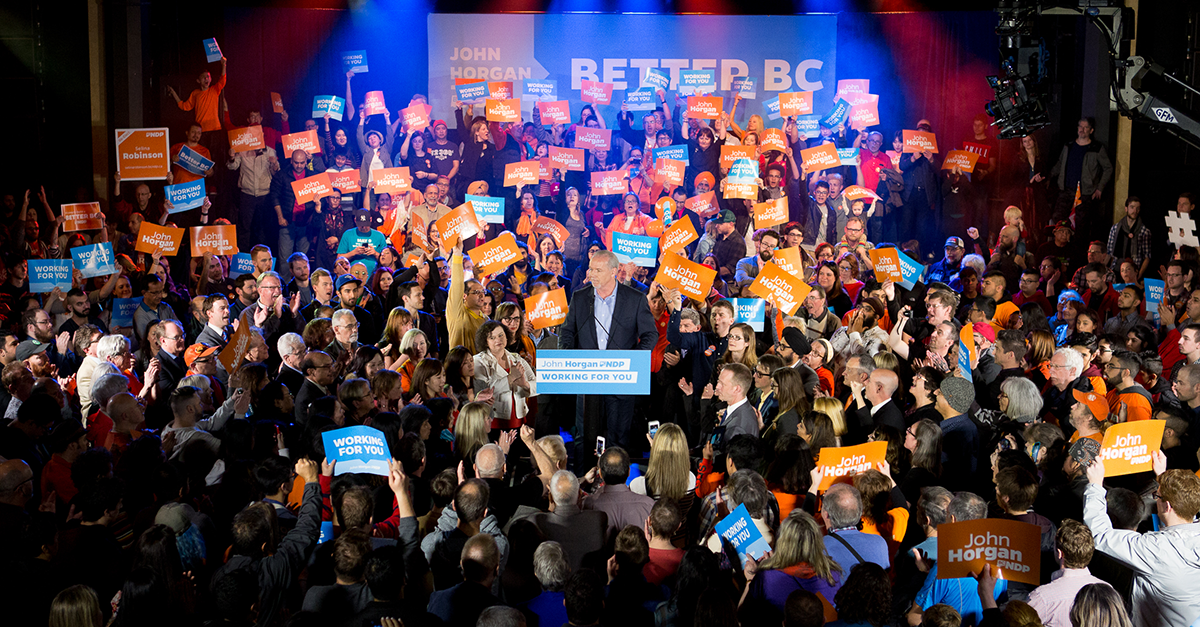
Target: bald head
564, 488
489, 462
480, 559
15, 474
124, 410
1009, 236
882, 385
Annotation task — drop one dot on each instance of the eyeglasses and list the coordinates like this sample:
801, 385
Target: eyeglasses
1056, 366
511, 319
44, 323
268, 287
477, 292
1157, 496
175, 338
761, 374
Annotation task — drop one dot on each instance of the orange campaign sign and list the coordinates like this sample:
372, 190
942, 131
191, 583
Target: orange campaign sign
743, 191
679, 234
346, 182
820, 158
545, 225
864, 115
593, 138
501, 90
508, 110
964, 159
793, 103
967, 335
840, 464
670, 171
247, 138
555, 112
545, 171
608, 183
548, 309
855, 192
521, 173
772, 139
1013, 547
392, 180
729, 154
788, 260
570, 159
771, 213
143, 154
919, 141
276, 103
691, 279
596, 92
1127, 446
496, 255
303, 140
459, 224
887, 264
704, 205
776, 286
218, 240
315, 187
420, 232
152, 238
235, 351
416, 117
374, 104
82, 216
704, 107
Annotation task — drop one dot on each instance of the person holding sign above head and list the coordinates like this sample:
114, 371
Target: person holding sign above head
289, 226
1166, 588
376, 152
256, 171
605, 316
922, 193
203, 103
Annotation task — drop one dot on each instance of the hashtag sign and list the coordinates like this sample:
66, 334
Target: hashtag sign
1183, 229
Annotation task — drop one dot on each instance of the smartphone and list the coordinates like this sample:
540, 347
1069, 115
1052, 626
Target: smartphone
240, 391
599, 445
653, 427
1084, 451
718, 435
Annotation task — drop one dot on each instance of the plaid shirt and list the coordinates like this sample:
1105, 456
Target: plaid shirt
1141, 248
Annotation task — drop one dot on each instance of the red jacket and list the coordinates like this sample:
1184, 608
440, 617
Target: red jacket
1107, 307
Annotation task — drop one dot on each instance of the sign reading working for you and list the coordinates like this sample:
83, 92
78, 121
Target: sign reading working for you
593, 372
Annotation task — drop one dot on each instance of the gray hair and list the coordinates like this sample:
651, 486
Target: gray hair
290, 344
564, 488
269, 273
341, 314
489, 461
747, 487
843, 504
934, 505
967, 506
608, 257
1074, 360
102, 369
976, 262
550, 566
501, 616
1024, 400
198, 381
111, 346
691, 314
107, 387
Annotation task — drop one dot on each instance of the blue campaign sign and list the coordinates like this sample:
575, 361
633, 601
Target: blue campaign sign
593, 372
910, 271
544, 89
752, 311
964, 361
697, 81
193, 161
212, 51
1154, 296
185, 196
326, 532
771, 108
47, 274
836, 115
657, 78
678, 153
472, 93
636, 249
641, 99
240, 264
122, 311
332, 105
743, 171
809, 125
739, 529
487, 208
801, 54
848, 156
355, 60
357, 449
94, 260
744, 86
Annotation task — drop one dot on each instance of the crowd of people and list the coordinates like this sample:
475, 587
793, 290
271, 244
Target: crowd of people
154, 471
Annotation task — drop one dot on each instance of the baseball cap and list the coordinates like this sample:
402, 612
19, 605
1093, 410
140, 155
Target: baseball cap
725, 217
197, 351
954, 241
177, 516
361, 216
1063, 224
1096, 403
347, 278
29, 348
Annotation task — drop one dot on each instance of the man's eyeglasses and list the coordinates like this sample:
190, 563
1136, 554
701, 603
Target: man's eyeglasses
478, 292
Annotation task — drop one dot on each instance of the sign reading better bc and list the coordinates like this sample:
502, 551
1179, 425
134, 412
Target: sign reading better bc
593, 372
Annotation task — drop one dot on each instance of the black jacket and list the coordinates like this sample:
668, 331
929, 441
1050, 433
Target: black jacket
283, 197
632, 327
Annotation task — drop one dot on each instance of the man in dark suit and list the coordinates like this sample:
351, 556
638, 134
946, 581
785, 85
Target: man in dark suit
216, 331
881, 385
461, 605
318, 376
607, 316
291, 351
732, 384
271, 314
412, 298
172, 368
578, 531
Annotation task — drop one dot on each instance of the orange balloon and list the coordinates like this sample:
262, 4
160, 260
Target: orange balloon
664, 206
655, 228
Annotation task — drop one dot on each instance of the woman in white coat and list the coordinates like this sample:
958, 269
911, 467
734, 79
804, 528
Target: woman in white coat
509, 376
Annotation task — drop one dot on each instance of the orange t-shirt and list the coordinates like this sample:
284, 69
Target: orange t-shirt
1136, 405
1098, 437
204, 103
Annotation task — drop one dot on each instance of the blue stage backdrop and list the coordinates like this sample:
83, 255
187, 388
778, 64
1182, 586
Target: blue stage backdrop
799, 55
